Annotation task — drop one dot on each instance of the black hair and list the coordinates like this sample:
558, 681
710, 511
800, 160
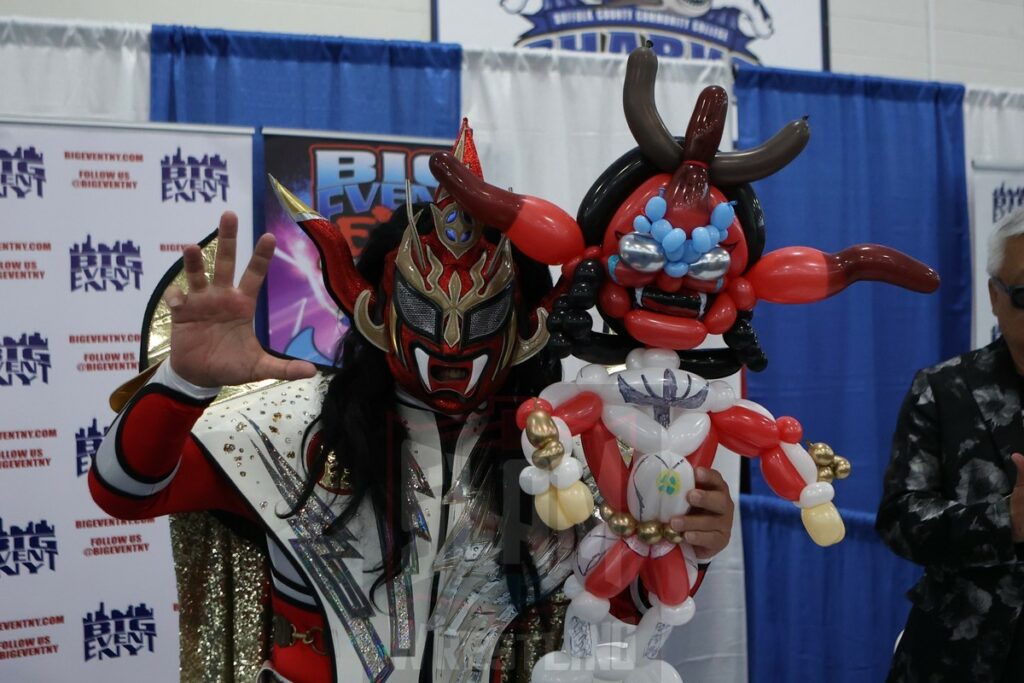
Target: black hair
360, 426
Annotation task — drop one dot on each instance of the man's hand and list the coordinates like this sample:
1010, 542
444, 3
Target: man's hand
212, 339
708, 524
1017, 501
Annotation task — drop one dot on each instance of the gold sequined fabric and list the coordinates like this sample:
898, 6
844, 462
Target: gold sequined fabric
529, 637
224, 601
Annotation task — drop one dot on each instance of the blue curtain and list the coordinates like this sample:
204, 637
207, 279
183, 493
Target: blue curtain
885, 164
819, 614
311, 82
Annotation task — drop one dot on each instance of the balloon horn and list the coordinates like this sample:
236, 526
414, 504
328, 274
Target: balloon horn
537, 227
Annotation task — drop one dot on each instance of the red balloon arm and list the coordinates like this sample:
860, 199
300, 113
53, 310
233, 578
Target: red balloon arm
604, 458
745, 431
797, 275
780, 474
541, 230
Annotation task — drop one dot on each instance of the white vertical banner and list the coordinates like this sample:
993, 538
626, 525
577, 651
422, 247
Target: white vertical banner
91, 217
997, 189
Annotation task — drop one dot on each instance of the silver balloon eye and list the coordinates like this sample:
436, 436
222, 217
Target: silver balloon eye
641, 252
711, 266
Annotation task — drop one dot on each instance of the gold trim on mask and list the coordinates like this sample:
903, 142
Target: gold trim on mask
361, 318
528, 348
460, 226
454, 304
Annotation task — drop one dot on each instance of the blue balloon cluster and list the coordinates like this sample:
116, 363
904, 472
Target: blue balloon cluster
681, 251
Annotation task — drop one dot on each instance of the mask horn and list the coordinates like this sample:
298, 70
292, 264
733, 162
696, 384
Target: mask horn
343, 281
537, 227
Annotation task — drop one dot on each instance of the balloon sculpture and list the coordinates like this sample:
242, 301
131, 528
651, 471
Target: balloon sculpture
676, 240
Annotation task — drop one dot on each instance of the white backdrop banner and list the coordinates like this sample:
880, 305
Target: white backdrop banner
785, 33
548, 123
91, 217
74, 70
994, 150
996, 192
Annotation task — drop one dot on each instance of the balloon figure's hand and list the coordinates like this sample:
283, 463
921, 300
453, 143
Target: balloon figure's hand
570, 321
823, 524
561, 499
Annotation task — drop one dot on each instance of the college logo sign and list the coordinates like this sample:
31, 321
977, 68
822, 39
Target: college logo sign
699, 29
30, 548
185, 179
108, 636
21, 173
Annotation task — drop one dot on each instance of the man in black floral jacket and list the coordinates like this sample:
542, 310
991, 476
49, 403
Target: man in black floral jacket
954, 497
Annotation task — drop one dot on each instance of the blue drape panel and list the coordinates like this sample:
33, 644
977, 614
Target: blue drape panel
819, 614
885, 164
312, 82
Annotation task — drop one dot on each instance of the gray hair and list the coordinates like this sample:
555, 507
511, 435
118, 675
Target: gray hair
1010, 226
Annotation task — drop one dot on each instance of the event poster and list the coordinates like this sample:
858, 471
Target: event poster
355, 182
91, 217
784, 33
998, 190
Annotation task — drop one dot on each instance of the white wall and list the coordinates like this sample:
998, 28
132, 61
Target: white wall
979, 42
395, 19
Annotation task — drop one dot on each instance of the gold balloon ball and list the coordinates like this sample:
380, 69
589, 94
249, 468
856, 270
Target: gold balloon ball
622, 524
549, 455
649, 532
671, 535
540, 428
825, 474
606, 511
842, 467
821, 453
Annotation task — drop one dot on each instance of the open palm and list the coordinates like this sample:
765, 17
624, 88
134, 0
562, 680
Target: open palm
212, 338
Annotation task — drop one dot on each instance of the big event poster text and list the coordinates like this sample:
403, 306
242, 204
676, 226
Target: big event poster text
356, 182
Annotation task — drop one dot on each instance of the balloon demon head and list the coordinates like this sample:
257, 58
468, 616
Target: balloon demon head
681, 233
445, 310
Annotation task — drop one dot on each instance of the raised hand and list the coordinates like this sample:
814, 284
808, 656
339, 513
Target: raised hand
213, 343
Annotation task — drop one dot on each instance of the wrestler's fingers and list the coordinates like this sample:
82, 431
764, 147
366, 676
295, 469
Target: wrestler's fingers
705, 539
252, 278
174, 297
227, 240
710, 480
698, 522
272, 367
712, 501
195, 275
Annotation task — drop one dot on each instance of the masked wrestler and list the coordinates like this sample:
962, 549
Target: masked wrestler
399, 543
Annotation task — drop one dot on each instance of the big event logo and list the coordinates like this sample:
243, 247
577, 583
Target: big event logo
356, 184
699, 29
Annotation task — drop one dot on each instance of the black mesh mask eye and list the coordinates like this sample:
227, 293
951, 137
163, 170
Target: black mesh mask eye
489, 317
416, 311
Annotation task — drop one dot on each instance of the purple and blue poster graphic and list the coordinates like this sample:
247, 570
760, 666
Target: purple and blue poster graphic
356, 183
